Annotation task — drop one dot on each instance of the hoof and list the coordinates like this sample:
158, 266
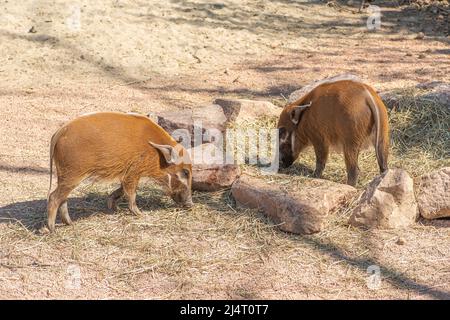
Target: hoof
67, 222
137, 212
45, 230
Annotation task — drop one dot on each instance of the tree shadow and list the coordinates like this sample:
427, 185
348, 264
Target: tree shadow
393, 276
428, 18
218, 91
107, 69
440, 223
32, 214
238, 17
25, 169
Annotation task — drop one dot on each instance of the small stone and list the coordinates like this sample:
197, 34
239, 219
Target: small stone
32, 30
420, 35
218, 5
400, 241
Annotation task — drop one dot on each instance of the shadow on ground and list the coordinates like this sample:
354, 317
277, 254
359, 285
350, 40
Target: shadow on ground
24, 169
391, 275
327, 246
32, 214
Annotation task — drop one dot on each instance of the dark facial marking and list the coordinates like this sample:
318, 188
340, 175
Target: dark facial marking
285, 148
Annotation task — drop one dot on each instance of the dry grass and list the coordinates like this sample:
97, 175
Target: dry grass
232, 252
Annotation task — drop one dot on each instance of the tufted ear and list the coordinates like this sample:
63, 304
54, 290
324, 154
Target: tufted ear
167, 151
297, 111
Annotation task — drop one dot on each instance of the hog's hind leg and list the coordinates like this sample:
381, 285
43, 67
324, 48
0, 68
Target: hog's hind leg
114, 197
129, 187
56, 200
351, 154
64, 213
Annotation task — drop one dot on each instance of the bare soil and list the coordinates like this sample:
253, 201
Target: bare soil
148, 56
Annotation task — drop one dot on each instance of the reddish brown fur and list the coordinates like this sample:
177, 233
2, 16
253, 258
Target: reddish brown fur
342, 115
109, 146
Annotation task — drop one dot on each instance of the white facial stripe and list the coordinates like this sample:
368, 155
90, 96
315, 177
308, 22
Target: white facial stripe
169, 181
292, 141
183, 180
284, 138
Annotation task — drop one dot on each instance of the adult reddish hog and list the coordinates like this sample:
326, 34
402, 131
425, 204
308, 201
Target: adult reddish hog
116, 146
343, 115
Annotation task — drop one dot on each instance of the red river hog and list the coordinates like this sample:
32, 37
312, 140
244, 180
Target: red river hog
116, 146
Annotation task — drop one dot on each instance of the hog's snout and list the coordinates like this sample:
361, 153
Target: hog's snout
183, 199
286, 161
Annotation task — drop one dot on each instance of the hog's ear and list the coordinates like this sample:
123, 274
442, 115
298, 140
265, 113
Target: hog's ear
167, 151
297, 111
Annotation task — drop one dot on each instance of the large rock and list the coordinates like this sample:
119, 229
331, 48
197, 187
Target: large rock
210, 170
388, 202
297, 94
433, 194
436, 91
192, 127
298, 211
239, 110
391, 99
440, 94
430, 85
214, 177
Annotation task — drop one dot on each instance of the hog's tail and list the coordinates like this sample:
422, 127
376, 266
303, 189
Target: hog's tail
53, 143
379, 113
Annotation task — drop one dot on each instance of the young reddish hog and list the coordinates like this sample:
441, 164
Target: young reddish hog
343, 115
109, 146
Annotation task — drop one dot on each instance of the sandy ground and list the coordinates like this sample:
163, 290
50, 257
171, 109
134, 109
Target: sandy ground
147, 56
